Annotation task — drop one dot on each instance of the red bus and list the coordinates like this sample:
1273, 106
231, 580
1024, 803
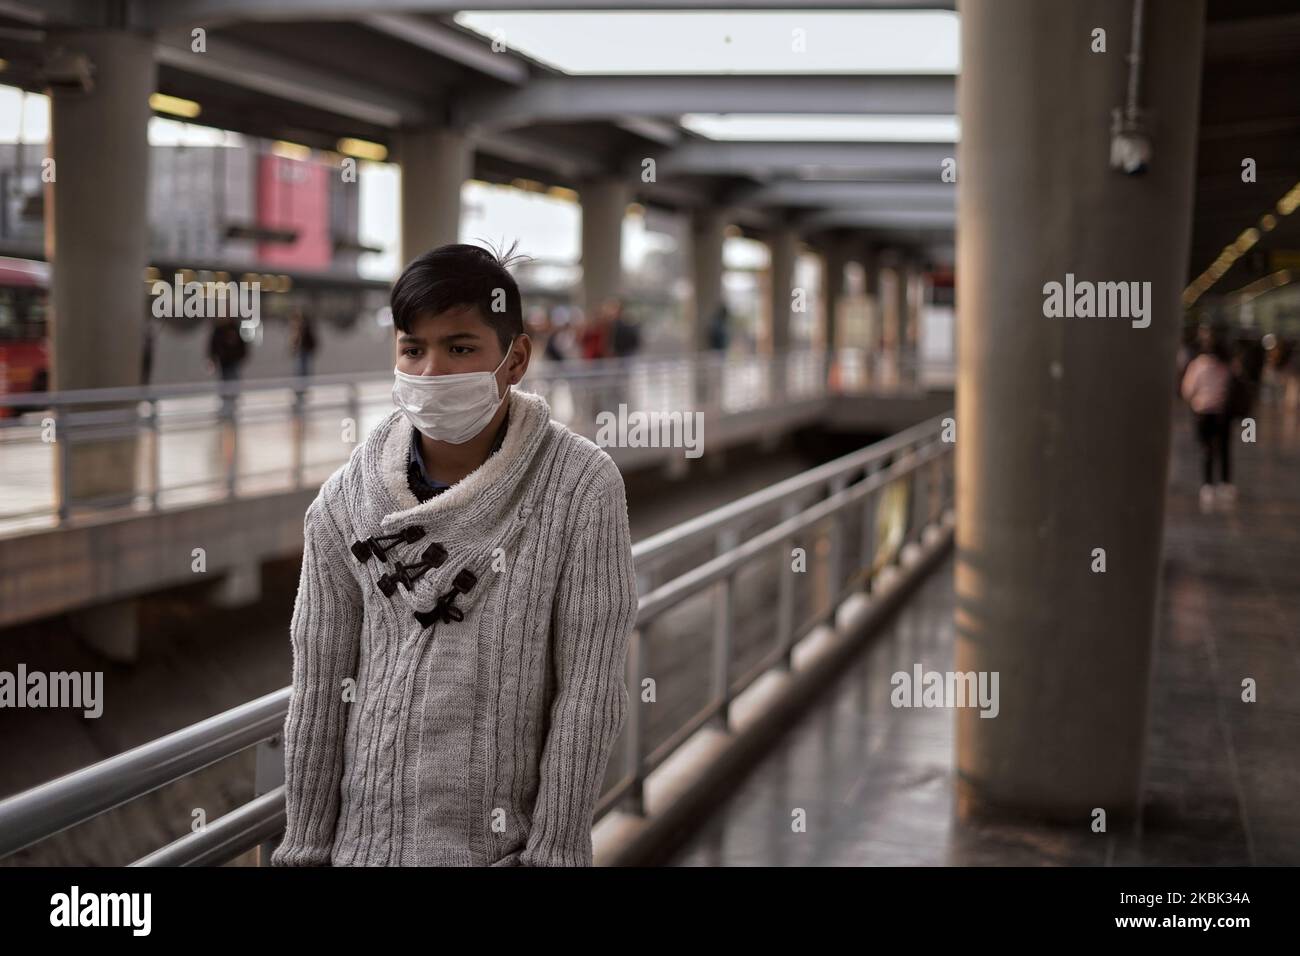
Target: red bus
24, 351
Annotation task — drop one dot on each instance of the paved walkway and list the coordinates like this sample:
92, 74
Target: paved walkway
1222, 775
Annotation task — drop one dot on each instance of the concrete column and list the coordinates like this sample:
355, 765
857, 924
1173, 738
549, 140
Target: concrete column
1063, 423
707, 233
783, 246
901, 274
435, 164
110, 630
886, 302
604, 203
910, 338
97, 239
871, 289
834, 260
240, 586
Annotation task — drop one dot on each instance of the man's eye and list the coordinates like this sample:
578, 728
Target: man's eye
411, 352
466, 348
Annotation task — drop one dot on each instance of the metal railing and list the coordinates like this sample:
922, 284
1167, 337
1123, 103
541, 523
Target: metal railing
895, 489
220, 440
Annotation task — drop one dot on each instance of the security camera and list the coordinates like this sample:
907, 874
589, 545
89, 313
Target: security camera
1130, 147
69, 72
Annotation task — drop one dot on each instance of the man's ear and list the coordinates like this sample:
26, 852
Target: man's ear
518, 369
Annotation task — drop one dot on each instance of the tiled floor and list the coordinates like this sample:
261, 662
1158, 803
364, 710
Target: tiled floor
1221, 782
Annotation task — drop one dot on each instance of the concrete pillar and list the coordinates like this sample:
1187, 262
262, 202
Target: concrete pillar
869, 258
910, 336
707, 233
834, 260
110, 630
604, 203
1063, 423
890, 300
435, 164
240, 586
97, 239
783, 246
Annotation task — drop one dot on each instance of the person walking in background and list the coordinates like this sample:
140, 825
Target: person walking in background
1205, 387
226, 352
147, 353
302, 341
719, 329
625, 336
593, 342
559, 337
227, 349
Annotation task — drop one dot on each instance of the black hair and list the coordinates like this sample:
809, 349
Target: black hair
459, 275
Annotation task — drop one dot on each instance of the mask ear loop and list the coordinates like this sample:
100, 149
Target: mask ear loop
502, 364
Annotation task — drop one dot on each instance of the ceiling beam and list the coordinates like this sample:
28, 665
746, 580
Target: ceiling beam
884, 219
278, 76
462, 48
794, 192
576, 98
916, 162
157, 14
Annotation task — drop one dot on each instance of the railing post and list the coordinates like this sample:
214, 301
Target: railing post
869, 507
63, 449
155, 455
268, 775
634, 742
936, 490
950, 480
835, 567
724, 620
354, 408
300, 434
785, 592
229, 397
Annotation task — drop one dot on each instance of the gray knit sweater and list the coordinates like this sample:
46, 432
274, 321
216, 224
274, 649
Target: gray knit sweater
482, 738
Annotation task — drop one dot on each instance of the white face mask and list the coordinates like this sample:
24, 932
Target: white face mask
450, 408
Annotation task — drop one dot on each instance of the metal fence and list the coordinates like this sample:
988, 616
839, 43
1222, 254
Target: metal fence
894, 490
179, 444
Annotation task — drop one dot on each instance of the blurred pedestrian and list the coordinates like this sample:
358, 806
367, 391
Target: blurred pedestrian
146, 358
227, 348
226, 352
302, 341
593, 341
625, 336
719, 330
558, 335
1205, 387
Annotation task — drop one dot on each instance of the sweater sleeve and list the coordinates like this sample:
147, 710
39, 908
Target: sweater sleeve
325, 633
595, 611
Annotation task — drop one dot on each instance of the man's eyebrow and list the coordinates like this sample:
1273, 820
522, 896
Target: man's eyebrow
453, 336
406, 338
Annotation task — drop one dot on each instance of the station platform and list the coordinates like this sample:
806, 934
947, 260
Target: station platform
876, 782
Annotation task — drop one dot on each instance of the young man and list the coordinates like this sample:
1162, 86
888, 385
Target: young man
462, 619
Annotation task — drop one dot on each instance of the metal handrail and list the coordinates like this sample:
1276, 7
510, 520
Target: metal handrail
43, 811
656, 547
538, 372
717, 384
